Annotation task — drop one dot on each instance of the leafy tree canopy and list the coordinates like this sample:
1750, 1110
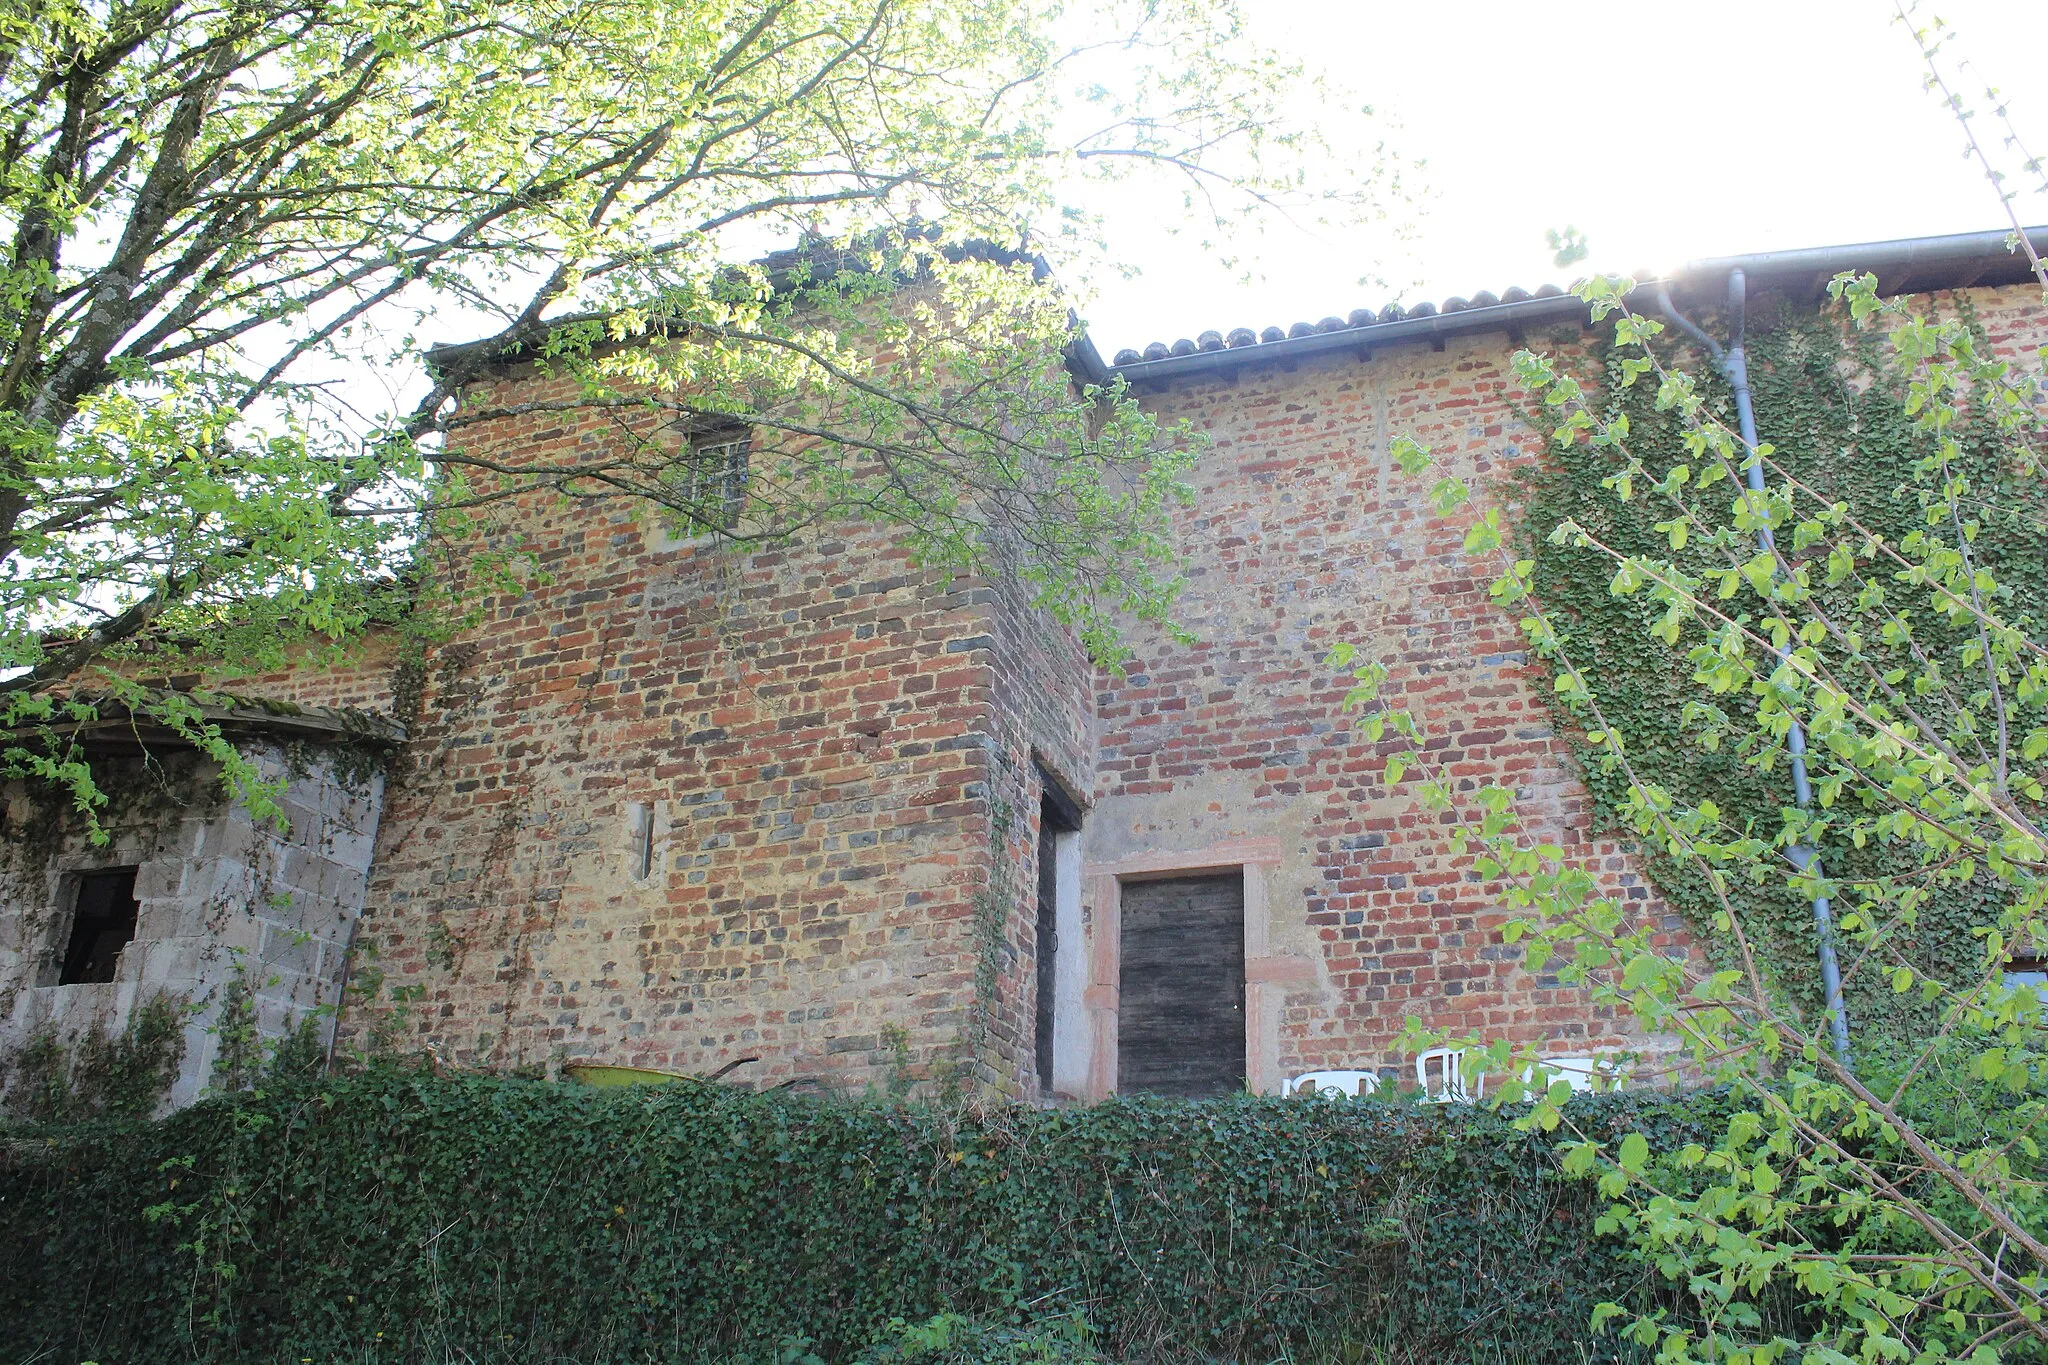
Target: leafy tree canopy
220, 216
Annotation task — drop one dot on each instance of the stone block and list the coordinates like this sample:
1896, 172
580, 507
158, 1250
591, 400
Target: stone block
278, 1014
349, 846
222, 883
161, 878
338, 884
170, 963
286, 949
168, 917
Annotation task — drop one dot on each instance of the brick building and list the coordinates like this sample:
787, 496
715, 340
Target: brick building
687, 804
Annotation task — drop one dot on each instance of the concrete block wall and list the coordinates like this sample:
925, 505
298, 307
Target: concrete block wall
217, 892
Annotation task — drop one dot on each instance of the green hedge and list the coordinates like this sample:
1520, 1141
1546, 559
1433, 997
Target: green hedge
399, 1216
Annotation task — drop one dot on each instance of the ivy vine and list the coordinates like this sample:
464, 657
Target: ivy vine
1832, 404
397, 1215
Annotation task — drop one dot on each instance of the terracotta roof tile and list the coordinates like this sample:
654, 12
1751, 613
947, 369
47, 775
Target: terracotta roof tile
1236, 337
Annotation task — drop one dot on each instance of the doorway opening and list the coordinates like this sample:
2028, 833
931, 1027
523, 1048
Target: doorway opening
1059, 830
1181, 986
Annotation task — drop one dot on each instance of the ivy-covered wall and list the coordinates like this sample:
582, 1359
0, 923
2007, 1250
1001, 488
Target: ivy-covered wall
400, 1216
1832, 405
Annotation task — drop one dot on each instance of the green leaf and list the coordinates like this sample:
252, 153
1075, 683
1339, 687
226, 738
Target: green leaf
1634, 1153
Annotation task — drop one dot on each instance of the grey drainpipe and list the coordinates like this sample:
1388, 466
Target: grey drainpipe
1735, 365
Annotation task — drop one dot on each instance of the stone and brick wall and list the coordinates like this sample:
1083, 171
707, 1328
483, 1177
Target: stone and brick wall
1303, 536
1237, 748
217, 893
1040, 698
681, 803
366, 675
815, 733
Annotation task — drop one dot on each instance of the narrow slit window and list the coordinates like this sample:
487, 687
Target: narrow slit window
102, 924
640, 826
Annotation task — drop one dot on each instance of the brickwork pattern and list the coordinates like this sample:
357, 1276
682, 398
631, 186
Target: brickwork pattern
1304, 535
828, 761
811, 733
1041, 690
364, 678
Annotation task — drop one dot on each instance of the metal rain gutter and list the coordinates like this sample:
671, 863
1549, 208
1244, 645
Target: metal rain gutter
1904, 253
1734, 364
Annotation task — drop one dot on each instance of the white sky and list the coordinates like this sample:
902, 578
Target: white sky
1664, 131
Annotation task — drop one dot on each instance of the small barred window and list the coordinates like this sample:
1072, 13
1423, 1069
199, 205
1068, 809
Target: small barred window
714, 477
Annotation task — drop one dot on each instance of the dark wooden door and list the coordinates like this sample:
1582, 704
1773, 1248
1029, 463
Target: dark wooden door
1180, 1010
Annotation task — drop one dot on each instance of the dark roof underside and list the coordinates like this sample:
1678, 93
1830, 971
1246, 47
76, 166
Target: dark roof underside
118, 729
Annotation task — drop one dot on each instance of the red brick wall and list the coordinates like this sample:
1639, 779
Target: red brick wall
1041, 693
819, 731
1303, 536
360, 677
842, 752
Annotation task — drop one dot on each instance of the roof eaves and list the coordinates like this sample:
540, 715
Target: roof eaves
1431, 326
1084, 362
1914, 264
334, 725
781, 269
1954, 261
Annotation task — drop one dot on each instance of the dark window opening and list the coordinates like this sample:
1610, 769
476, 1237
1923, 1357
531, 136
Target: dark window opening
102, 924
1180, 995
712, 482
1057, 816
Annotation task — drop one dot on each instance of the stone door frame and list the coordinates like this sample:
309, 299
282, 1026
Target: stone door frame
1266, 976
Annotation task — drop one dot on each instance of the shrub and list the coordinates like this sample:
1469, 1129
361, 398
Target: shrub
122, 1075
397, 1215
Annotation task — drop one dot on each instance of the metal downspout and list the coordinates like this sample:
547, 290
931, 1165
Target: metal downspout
1735, 365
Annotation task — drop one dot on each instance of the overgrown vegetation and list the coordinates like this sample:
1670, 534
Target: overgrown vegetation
1833, 401
1864, 635
396, 1215
212, 214
243, 1058
100, 1075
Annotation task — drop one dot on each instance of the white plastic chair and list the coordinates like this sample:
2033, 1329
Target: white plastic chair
1341, 1084
1449, 1085
1579, 1073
